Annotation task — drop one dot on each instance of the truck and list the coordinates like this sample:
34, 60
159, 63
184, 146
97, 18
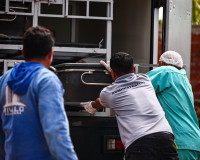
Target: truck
87, 31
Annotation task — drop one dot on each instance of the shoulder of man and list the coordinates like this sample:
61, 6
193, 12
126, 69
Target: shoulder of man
46, 75
161, 70
107, 89
44, 72
142, 75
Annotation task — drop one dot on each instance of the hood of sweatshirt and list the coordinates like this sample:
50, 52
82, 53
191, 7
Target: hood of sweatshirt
21, 76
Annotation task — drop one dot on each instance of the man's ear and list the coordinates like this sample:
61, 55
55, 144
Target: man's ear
114, 75
50, 54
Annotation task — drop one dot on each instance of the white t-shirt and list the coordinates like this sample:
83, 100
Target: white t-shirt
136, 107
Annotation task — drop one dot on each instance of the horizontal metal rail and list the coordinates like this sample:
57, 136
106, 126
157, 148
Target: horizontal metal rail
59, 49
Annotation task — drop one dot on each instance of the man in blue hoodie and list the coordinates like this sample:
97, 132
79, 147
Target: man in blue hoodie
33, 123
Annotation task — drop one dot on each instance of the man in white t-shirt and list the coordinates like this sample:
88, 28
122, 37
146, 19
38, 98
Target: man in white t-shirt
144, 130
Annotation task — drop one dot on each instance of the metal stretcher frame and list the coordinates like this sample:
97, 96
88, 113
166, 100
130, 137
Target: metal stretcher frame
36, 13
7, 64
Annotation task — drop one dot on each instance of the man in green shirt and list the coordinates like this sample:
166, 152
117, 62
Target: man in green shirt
175, 95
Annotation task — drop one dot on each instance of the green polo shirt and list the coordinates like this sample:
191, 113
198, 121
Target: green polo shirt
175, 95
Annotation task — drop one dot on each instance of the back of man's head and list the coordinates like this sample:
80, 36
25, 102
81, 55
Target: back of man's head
172, 58
37, 42
121, 63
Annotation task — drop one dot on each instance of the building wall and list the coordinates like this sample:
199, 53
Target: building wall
195, 62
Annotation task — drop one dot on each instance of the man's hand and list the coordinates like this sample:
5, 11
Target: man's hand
88, 107
106, 65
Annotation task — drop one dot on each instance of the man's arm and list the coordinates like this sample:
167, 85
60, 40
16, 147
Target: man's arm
99, 103
96, 104
54, 120
91, 106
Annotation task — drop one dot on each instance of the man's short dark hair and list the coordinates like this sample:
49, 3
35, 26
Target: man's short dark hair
37, 42
121, 63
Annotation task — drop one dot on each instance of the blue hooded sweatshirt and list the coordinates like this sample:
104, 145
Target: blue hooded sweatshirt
33, 123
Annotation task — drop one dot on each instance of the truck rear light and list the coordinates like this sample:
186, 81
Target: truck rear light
114, 144
119, 145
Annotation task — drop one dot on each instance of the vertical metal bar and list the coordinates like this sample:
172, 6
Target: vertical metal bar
66, 7
63, 8
108, 35
7, 6
155, 40
108, 14
108, 41
35, 15
88, 8
152, 33
32, 7
39, 8
73, 24
165, 25
5, 65
111, 10
136, 68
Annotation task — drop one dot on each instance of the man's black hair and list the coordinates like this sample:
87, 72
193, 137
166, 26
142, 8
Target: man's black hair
37, 42
121, 63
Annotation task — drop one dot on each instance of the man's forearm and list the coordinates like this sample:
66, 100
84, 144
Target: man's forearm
96, 104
